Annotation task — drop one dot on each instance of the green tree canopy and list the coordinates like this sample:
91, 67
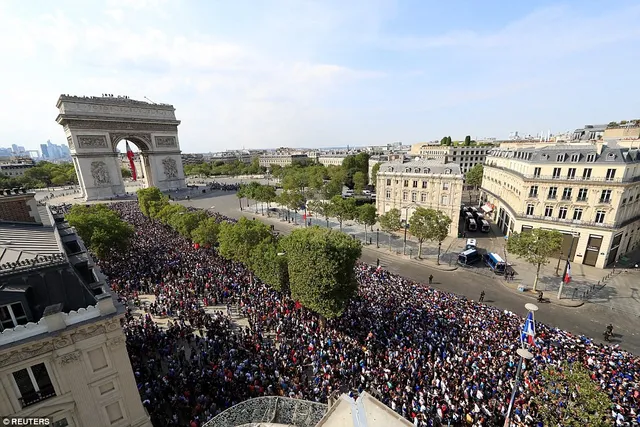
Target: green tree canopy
100, 228
206, 233
430, 224
467, 140
367, 215
567, 396
474, 176
186, 222
269, 263
535, 247
390, 221
359, 182
168, 211
374, 173
343, 209
237, 240
151, 201
321, 265
125, 172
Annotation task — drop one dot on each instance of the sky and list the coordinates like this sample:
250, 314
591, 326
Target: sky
324, 73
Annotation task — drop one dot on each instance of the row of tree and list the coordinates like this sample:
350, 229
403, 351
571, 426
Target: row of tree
447, 141
42, 175
315, 265
219, 168
101, 229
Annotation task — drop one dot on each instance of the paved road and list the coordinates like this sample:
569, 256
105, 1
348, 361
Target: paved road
590, 319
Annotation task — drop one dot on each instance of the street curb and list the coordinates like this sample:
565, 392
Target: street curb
561, 303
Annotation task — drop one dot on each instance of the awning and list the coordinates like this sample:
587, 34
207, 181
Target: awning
487, 208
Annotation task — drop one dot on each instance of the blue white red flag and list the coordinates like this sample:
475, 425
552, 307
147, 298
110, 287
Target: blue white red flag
528, 330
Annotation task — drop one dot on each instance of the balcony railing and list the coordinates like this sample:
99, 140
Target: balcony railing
604, 201
560, 178
551, 197
581, 199
533, 195
566, 197
38, 396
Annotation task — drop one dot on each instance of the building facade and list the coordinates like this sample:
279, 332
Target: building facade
588, 192
465, 156
283, 160
62, 348
13, 170
422, 183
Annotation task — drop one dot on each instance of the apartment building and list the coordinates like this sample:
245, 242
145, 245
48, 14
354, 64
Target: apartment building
421, 183
14, 170
266, 160
588, 192
62, 347
465, 156
589, 133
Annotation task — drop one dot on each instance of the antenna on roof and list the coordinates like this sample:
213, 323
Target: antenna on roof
149, 100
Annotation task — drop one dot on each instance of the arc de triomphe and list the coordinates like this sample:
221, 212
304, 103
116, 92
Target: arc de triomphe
95, 125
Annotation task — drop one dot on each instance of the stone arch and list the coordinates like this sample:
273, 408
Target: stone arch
95, 125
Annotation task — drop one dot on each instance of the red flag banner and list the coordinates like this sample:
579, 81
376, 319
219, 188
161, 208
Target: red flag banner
130, 155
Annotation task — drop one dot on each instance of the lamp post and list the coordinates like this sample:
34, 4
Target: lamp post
377, 238
524, 355
404, 243
566, 267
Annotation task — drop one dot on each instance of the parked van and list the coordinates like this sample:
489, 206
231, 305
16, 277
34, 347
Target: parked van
472, 225
495, 262
474, 212
468, 257
484, 226
471, 244
468, 216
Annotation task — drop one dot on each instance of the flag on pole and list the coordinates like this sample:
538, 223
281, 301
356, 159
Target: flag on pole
134, 175
528, 330
567, 276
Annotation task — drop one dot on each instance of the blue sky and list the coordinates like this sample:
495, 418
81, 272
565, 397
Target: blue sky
313, 73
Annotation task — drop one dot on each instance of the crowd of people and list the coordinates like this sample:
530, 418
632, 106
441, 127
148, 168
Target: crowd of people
433, 357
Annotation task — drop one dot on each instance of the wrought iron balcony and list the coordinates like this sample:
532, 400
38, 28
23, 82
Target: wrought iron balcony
561, 178
552, 197
566, 197
38, 396
581, 199
605, 201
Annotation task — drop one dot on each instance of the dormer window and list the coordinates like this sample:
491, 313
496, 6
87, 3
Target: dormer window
12, 315
390, 169
427, 170
575, 157
407, 170
447, 171
560, 158
611, 156
591, 158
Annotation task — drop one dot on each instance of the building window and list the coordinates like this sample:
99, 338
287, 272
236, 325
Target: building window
530, 209
445, 185
414, 197
562, 213
388, 182
599, 217
415, 184
571, 173
556, 173
566, 194
591, 158
548, 210
611, 174
582, 195
423, 197
388, 194
447, 171
536, 172
553, 193
405, 196
575, 157
605, 196
406, 183
533, 191
424, 184
577, 214
12, 315
586, 173
624, 201
34, 384
445, 200
560, 158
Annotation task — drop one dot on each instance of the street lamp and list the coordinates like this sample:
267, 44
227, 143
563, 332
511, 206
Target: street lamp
566, 267
524, 355
377, 238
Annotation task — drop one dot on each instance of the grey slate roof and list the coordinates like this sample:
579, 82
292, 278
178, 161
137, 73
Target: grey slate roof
549, 154
432, 167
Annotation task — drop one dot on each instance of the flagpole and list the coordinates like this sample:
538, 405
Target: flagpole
566, 266
524, 354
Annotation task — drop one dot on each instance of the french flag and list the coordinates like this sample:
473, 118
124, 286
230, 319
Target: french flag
567, 277
528, 330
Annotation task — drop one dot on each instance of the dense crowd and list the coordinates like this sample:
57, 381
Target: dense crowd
431, 356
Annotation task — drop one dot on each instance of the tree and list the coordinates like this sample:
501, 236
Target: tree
367, 216
268, 195
321, 265
374, 173
359, 182
474, 177
237, 240
321, 208
568, 396
467, 140
331, 188
185, 222
343, 209
443, 141
535, 246
151, 200
100, 228
276, 171
125, 172
390, 222
292, 200
429, 224
165, 214
269, 263
206, 233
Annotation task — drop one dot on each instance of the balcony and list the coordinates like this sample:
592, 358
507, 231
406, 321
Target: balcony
560, 178
38, 396
533, 195
552, 197
581, 199
566, 198
604, 201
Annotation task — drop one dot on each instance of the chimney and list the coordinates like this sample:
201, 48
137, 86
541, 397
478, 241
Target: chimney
53, 318
18, 205
105, 304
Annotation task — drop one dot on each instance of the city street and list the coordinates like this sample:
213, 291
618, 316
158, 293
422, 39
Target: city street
590, 319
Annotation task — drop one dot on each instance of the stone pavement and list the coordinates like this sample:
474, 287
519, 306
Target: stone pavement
621, 294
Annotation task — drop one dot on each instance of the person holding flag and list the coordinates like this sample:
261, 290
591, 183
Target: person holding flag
528, 334
130, 156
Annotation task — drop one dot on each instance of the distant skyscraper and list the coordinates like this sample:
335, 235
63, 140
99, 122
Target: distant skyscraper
14, 147
45, 151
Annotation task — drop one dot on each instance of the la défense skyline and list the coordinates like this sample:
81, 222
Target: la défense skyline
265, 74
